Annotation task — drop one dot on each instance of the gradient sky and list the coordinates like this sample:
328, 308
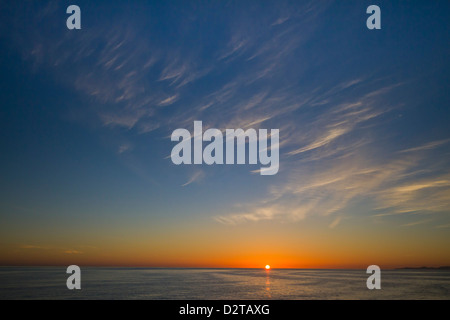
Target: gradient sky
86, 117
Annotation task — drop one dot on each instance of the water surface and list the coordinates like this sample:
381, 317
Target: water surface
258, 284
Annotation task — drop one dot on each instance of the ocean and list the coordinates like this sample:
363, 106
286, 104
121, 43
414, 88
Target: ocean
223, 284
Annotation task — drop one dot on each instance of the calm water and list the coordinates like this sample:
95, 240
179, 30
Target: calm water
131, 283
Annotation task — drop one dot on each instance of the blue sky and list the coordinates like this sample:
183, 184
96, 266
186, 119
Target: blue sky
86, 118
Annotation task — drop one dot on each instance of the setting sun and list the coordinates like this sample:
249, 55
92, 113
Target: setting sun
267, 267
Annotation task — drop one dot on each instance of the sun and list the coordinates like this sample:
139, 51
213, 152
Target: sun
267, 267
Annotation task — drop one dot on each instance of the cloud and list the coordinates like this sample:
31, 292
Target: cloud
395, 186
123, 78
27, 246
415, 223
73, 252
427, 146
234, 47
339, 119
421, 195
335, 222
173, 72
58, 249
168, 101
280, 21
342, 171
195, 177
124, 148
322, 141
256, 214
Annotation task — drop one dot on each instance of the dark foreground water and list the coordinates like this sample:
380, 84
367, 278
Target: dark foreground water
132, 283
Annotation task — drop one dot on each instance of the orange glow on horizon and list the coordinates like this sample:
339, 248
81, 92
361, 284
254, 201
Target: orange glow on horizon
251, 246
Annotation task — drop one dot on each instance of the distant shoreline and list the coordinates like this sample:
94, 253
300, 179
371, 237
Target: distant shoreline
424, 268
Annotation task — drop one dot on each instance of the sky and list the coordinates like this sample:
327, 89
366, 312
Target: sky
86, 118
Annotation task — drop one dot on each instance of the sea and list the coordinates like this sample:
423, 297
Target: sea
44, 283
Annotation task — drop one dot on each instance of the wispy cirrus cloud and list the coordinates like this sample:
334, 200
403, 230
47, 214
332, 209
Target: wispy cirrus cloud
195, 177
329, 136
416, 223
32, 247
125, 77
66, 251
395, 187
73, 252
168, 101
427, 146
335, 222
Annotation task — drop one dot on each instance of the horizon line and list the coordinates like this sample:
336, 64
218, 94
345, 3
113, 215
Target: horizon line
254, 268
